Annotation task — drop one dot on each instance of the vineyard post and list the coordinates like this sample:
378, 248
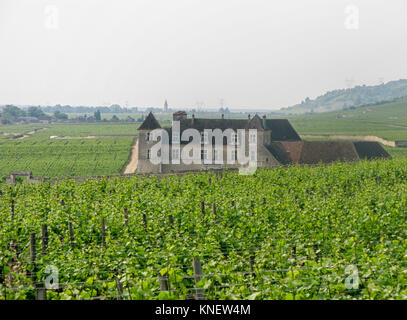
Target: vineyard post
163, 280
71, 238
203, 207
40, 291
171, 220
294, 251
252, 207
145, 220
196, 263
33, 254
252, 259
33, 251
102, 222
44, 239
119, 288
126, 217
316, 252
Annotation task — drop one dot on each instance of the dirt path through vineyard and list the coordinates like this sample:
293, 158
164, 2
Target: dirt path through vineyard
362, 138
132, 166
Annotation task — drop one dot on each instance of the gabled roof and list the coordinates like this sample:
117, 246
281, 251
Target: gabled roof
281, 130
370, 150
150, 123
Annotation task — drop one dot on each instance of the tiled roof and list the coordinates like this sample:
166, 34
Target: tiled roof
314, 152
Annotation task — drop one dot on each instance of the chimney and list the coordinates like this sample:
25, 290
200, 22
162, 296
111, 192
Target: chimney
223, 116
249, 116
179, 115
264, 122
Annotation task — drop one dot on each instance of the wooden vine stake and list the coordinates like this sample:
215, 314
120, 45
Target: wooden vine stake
33, 251
203, 207
196, 263
71, 238
102, 222
163, 280
145, 220
40, 291
44, 239
171, 220
126, 217
251, 260
119, 287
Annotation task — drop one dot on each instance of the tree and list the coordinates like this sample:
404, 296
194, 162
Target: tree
97, 115
59, 115
36, 113
115, 118
13, 111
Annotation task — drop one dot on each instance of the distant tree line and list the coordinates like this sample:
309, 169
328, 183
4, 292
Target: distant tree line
114, 108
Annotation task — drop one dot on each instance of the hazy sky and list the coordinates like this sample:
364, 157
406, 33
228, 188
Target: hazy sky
259, 54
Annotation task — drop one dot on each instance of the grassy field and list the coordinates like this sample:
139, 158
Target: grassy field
388, 121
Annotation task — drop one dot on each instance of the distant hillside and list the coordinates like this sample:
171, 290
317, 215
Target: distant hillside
385, 120
349, 98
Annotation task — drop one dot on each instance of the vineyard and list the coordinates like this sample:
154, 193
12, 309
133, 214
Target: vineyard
286, 233
65, 158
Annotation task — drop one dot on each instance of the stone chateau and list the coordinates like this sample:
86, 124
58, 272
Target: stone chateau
277, 144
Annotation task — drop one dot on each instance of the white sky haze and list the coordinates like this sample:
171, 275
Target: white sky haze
258, 54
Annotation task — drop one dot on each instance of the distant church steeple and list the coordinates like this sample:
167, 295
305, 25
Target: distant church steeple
165, 106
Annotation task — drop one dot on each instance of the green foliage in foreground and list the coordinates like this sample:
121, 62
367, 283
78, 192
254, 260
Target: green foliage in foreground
306, 225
